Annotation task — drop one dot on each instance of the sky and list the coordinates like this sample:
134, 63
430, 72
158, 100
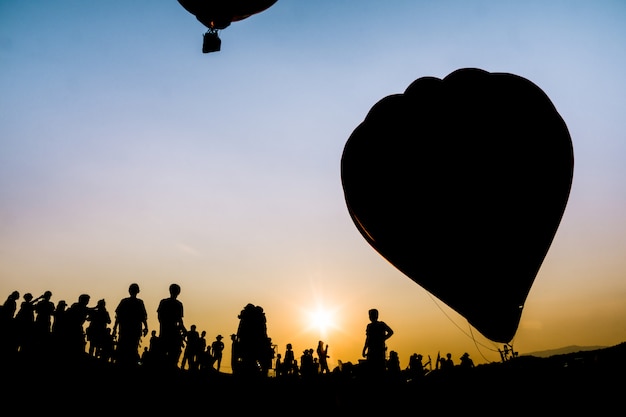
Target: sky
127, 155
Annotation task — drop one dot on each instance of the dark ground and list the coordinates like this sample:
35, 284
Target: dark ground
589, 382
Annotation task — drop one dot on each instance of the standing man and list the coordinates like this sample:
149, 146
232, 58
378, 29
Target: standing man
376, 333
190, 355
44, 310
322, 355
172, 329
8, 340
132, 319
216, 351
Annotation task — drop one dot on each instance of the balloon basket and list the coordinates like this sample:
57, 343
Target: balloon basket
211, 42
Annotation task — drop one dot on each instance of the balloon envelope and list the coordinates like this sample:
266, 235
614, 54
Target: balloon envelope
461, 184
219, 14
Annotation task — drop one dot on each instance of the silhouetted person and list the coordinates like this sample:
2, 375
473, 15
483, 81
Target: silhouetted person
295, 368
172, 328
374, 349
217, 347
98, 329
8, 341
76, 315
249, 334
44, 311
42, 337
234, 353
416, 366
25, 324
393, 365
466, 361
446, 364
254, 347
190, 354
154, 346
10, 306
200, 351
307, 365
278, 367
131, 319
267, 356
322, 355
59, 327
205, 358
154, 341
289, 362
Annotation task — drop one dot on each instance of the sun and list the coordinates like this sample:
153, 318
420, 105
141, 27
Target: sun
320, 314
321, 320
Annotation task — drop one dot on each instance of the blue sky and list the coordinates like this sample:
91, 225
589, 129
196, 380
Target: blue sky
127, 155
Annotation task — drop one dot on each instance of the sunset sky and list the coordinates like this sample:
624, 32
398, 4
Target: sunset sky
127, 155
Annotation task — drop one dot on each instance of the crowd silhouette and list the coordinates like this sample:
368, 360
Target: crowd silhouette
37, 330
35, 334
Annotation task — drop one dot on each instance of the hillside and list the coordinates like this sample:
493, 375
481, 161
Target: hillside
563, 351
566, 383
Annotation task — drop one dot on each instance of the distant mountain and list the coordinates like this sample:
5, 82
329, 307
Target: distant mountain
562, 351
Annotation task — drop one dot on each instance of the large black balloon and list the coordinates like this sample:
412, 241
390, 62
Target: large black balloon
461, 184
219, 14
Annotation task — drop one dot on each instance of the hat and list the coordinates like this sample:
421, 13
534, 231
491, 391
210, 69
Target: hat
219, 336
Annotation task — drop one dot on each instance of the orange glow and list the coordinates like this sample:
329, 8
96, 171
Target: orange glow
321, 319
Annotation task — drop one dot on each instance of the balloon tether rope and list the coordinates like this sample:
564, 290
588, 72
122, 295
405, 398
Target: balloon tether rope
470, 334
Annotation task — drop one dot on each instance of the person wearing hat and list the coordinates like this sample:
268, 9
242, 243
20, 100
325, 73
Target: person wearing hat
466, 361
216, 351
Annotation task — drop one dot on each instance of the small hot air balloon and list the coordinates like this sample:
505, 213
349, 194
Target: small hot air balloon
219, 14
461, 184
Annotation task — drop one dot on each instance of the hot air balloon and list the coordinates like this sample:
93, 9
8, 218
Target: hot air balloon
219, 14
461, 184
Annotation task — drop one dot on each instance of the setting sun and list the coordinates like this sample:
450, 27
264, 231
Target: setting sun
321, 320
